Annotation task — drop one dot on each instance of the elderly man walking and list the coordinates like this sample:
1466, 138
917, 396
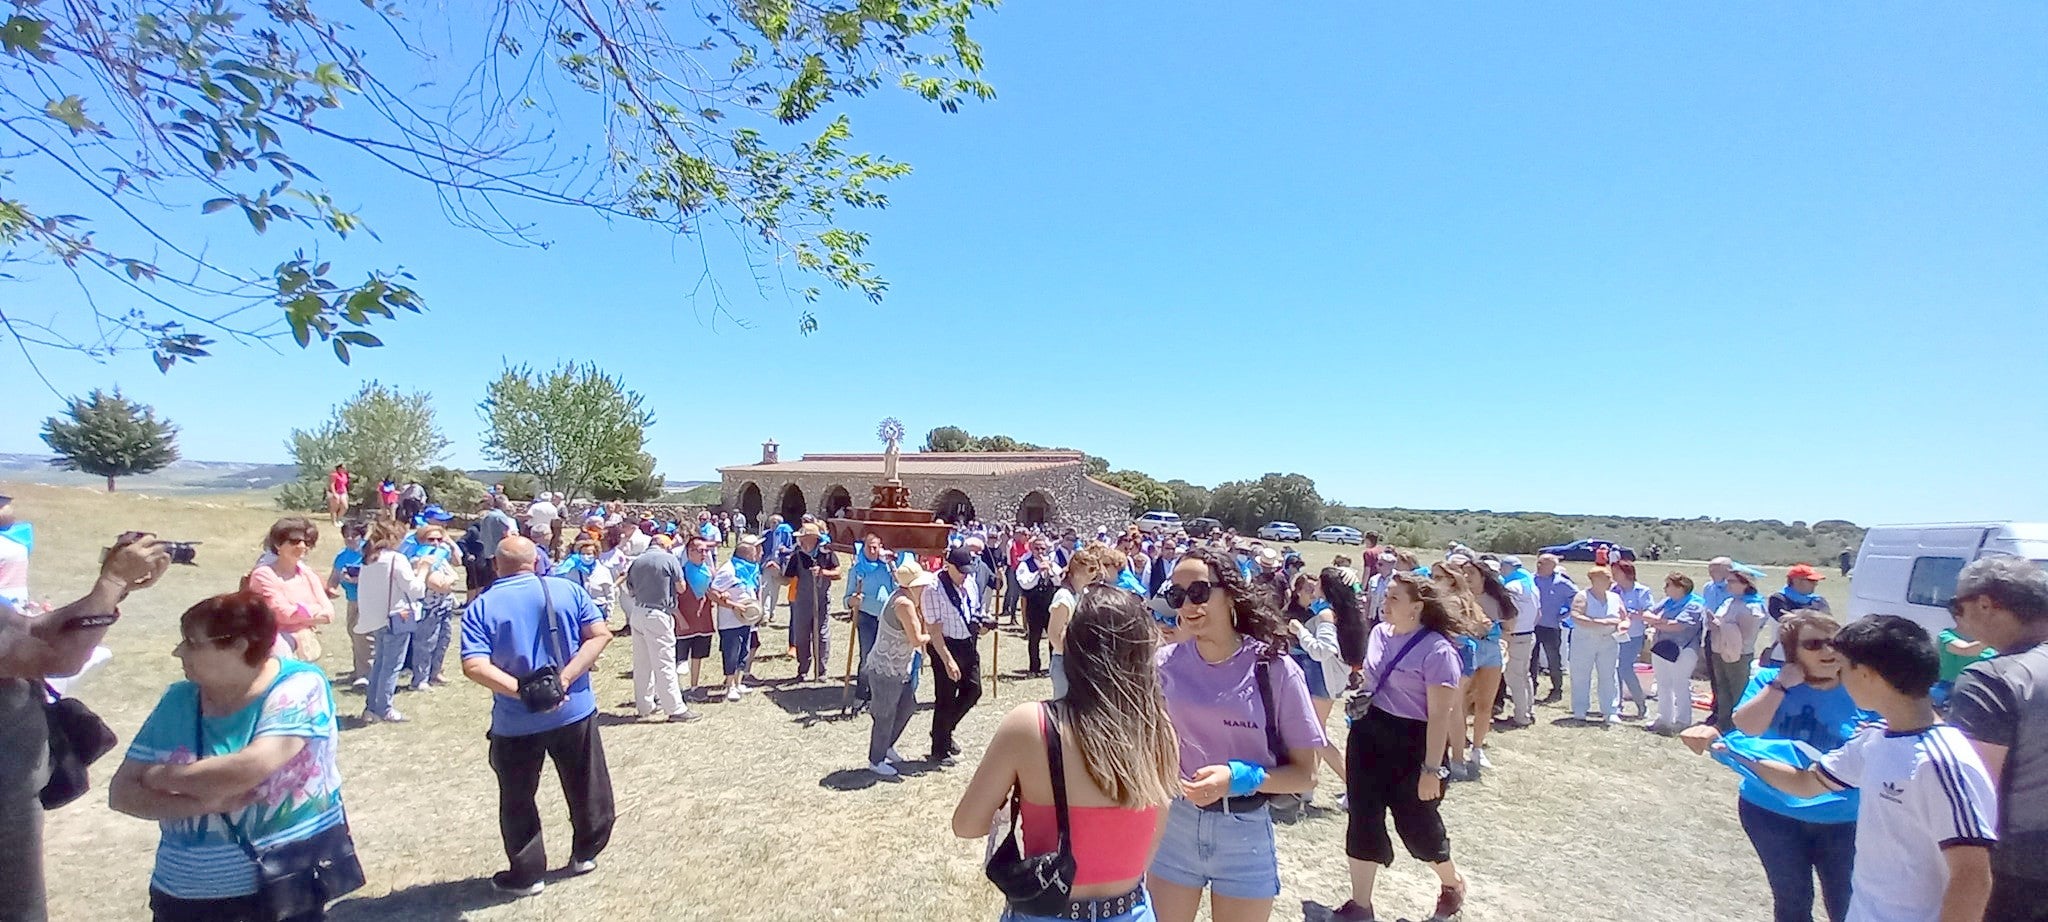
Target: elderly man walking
1555, 590
513, 636
655, 582
2001, 704
813, 567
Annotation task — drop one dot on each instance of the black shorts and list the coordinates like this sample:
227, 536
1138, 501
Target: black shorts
689, 648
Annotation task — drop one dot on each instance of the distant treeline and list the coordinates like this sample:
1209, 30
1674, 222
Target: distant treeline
1763, 542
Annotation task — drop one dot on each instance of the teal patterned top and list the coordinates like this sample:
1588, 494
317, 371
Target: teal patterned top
197, 858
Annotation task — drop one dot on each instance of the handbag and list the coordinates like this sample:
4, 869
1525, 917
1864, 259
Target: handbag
78, 738
1361, 703
1040, 885
300, 877
541, 690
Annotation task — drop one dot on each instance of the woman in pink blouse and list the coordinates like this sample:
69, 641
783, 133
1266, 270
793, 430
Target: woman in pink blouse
296, 594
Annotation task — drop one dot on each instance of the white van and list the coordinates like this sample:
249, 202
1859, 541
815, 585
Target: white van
1158, 522
1911, 570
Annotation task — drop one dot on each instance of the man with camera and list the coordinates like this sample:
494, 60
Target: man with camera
32, 649
516, 642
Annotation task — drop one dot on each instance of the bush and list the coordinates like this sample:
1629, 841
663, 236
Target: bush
520, 487
303, 496
453, 490
1411, 535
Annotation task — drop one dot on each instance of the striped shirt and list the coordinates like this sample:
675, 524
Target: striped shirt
953, 620
1922, 791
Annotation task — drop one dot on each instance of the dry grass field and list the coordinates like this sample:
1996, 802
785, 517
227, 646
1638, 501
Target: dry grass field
763, 810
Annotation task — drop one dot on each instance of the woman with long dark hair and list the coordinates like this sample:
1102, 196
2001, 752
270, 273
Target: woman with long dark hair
1395, 753
1247, 731
1469, 627
1119, 761
1318, 649
1495, 607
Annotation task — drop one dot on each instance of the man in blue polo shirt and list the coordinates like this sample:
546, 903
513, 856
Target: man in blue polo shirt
519, 625
1555, 589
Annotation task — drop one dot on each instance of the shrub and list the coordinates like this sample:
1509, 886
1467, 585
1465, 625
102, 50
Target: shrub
520, 487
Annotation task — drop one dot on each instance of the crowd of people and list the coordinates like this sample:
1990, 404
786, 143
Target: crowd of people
1194, 684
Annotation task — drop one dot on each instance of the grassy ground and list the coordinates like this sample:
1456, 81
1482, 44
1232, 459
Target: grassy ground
763, 811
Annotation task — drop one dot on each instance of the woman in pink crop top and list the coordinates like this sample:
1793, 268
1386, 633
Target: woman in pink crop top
1120, 755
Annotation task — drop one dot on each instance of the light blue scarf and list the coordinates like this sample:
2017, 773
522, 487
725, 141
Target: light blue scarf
747, 571
1671, 606
1796, 597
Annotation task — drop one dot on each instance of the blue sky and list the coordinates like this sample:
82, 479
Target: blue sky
1759, 260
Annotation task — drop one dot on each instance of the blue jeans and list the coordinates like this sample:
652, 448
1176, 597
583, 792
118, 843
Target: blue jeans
1625, 668
430, 641
394, 645
1230, 853
1792, 852
1059, 676
1139, 913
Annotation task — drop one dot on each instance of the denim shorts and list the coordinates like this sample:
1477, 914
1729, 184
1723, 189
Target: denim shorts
1489, 654
1230, 853
734, 643
1139, 913
1468, 654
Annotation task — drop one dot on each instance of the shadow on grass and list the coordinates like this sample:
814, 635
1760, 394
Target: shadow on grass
446, 901
814, 704
1582, 723
860, 779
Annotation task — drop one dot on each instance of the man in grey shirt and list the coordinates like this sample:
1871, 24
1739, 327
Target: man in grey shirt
495, 525
655, 580
2002, 705
55, 644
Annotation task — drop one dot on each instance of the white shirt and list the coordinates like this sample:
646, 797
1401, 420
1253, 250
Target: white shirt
725, 580
542, 514
1032, 569
386, 584
1528, 606
1921, 792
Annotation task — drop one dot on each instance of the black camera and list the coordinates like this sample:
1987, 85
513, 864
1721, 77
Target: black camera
182, 552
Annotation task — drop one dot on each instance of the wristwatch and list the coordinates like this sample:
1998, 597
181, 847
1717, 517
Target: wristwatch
1442, 772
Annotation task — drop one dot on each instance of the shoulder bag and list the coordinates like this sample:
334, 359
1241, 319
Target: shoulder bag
1360, 703
1263, 671
78, 737
298, 878
541, 690
1040, 885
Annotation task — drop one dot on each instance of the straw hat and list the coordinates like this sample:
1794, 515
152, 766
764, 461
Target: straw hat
910, 575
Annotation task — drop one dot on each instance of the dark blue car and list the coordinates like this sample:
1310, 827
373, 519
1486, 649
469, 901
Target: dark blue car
1585, 548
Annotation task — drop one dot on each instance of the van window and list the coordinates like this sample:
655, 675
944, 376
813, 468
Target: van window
1933, 581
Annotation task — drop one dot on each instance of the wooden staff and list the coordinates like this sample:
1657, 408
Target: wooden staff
852, 641
995, 659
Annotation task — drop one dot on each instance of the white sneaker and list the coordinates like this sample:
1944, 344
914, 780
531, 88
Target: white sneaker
579, 868
732, 694
1479, 756
884, 769
742, 688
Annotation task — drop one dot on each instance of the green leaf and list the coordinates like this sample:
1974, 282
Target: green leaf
23, 35
71, 111
340, 350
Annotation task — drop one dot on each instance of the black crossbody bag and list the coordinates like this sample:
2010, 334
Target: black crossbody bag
1360, 704
541, 690
78, 738
299, 878
1041, 885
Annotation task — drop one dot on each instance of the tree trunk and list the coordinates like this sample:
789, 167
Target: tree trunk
110, 483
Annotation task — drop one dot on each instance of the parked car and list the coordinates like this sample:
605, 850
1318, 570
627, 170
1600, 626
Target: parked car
1910, 570
1279, 531
1203, 527
1157, 521
1585, 549
1337, 534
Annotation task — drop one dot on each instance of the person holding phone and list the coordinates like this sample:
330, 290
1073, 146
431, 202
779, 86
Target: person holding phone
345, 577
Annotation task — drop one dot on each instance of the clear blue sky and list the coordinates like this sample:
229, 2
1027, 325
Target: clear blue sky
1762, 260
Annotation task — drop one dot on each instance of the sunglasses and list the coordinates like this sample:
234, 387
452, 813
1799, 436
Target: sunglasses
1816, 644
1195, 593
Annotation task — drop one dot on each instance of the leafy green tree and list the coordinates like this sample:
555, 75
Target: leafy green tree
643, 486
1189, 500
999, 443
380, 432
521, 487
110, 436
572, 428
678, 116
949, 438
1247, 504
453, 490
1146, 494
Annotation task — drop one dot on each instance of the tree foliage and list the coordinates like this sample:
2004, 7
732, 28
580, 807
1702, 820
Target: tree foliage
1146, 494
1247, 504
948, 438
379, 433
1189, 500
522, 487
453, 490
110, 436
130, 117
572, 428
643, 485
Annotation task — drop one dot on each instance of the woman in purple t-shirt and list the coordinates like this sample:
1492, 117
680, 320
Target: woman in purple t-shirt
1395, 754
1240, 740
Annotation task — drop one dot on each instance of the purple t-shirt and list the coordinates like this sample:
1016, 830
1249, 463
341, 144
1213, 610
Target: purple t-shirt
1434, 661
1217, 712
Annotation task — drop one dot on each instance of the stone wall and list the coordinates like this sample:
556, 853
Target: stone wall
1073, 500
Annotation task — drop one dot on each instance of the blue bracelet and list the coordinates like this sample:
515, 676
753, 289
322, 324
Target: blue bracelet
1245, 778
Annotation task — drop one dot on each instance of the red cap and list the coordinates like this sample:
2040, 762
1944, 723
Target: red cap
1804, 571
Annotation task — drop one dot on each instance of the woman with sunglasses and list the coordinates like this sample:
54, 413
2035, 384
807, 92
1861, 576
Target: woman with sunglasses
1797, 839
1396, 750
1247, 731
296, 594
1119, 762
1096, 563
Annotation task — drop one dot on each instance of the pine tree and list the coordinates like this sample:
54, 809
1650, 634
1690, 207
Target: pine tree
111, 436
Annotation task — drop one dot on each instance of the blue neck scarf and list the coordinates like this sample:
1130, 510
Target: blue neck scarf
698, 576
747, 571
1672, 606
1796, 597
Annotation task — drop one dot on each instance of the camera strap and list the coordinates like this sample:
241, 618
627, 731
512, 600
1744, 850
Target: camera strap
554, 626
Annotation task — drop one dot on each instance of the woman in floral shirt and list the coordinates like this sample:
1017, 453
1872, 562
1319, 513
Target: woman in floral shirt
248, 738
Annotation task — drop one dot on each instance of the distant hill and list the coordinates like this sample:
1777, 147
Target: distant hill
1765, 541
179, 477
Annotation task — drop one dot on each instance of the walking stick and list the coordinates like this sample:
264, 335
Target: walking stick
995, 659
852, 640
